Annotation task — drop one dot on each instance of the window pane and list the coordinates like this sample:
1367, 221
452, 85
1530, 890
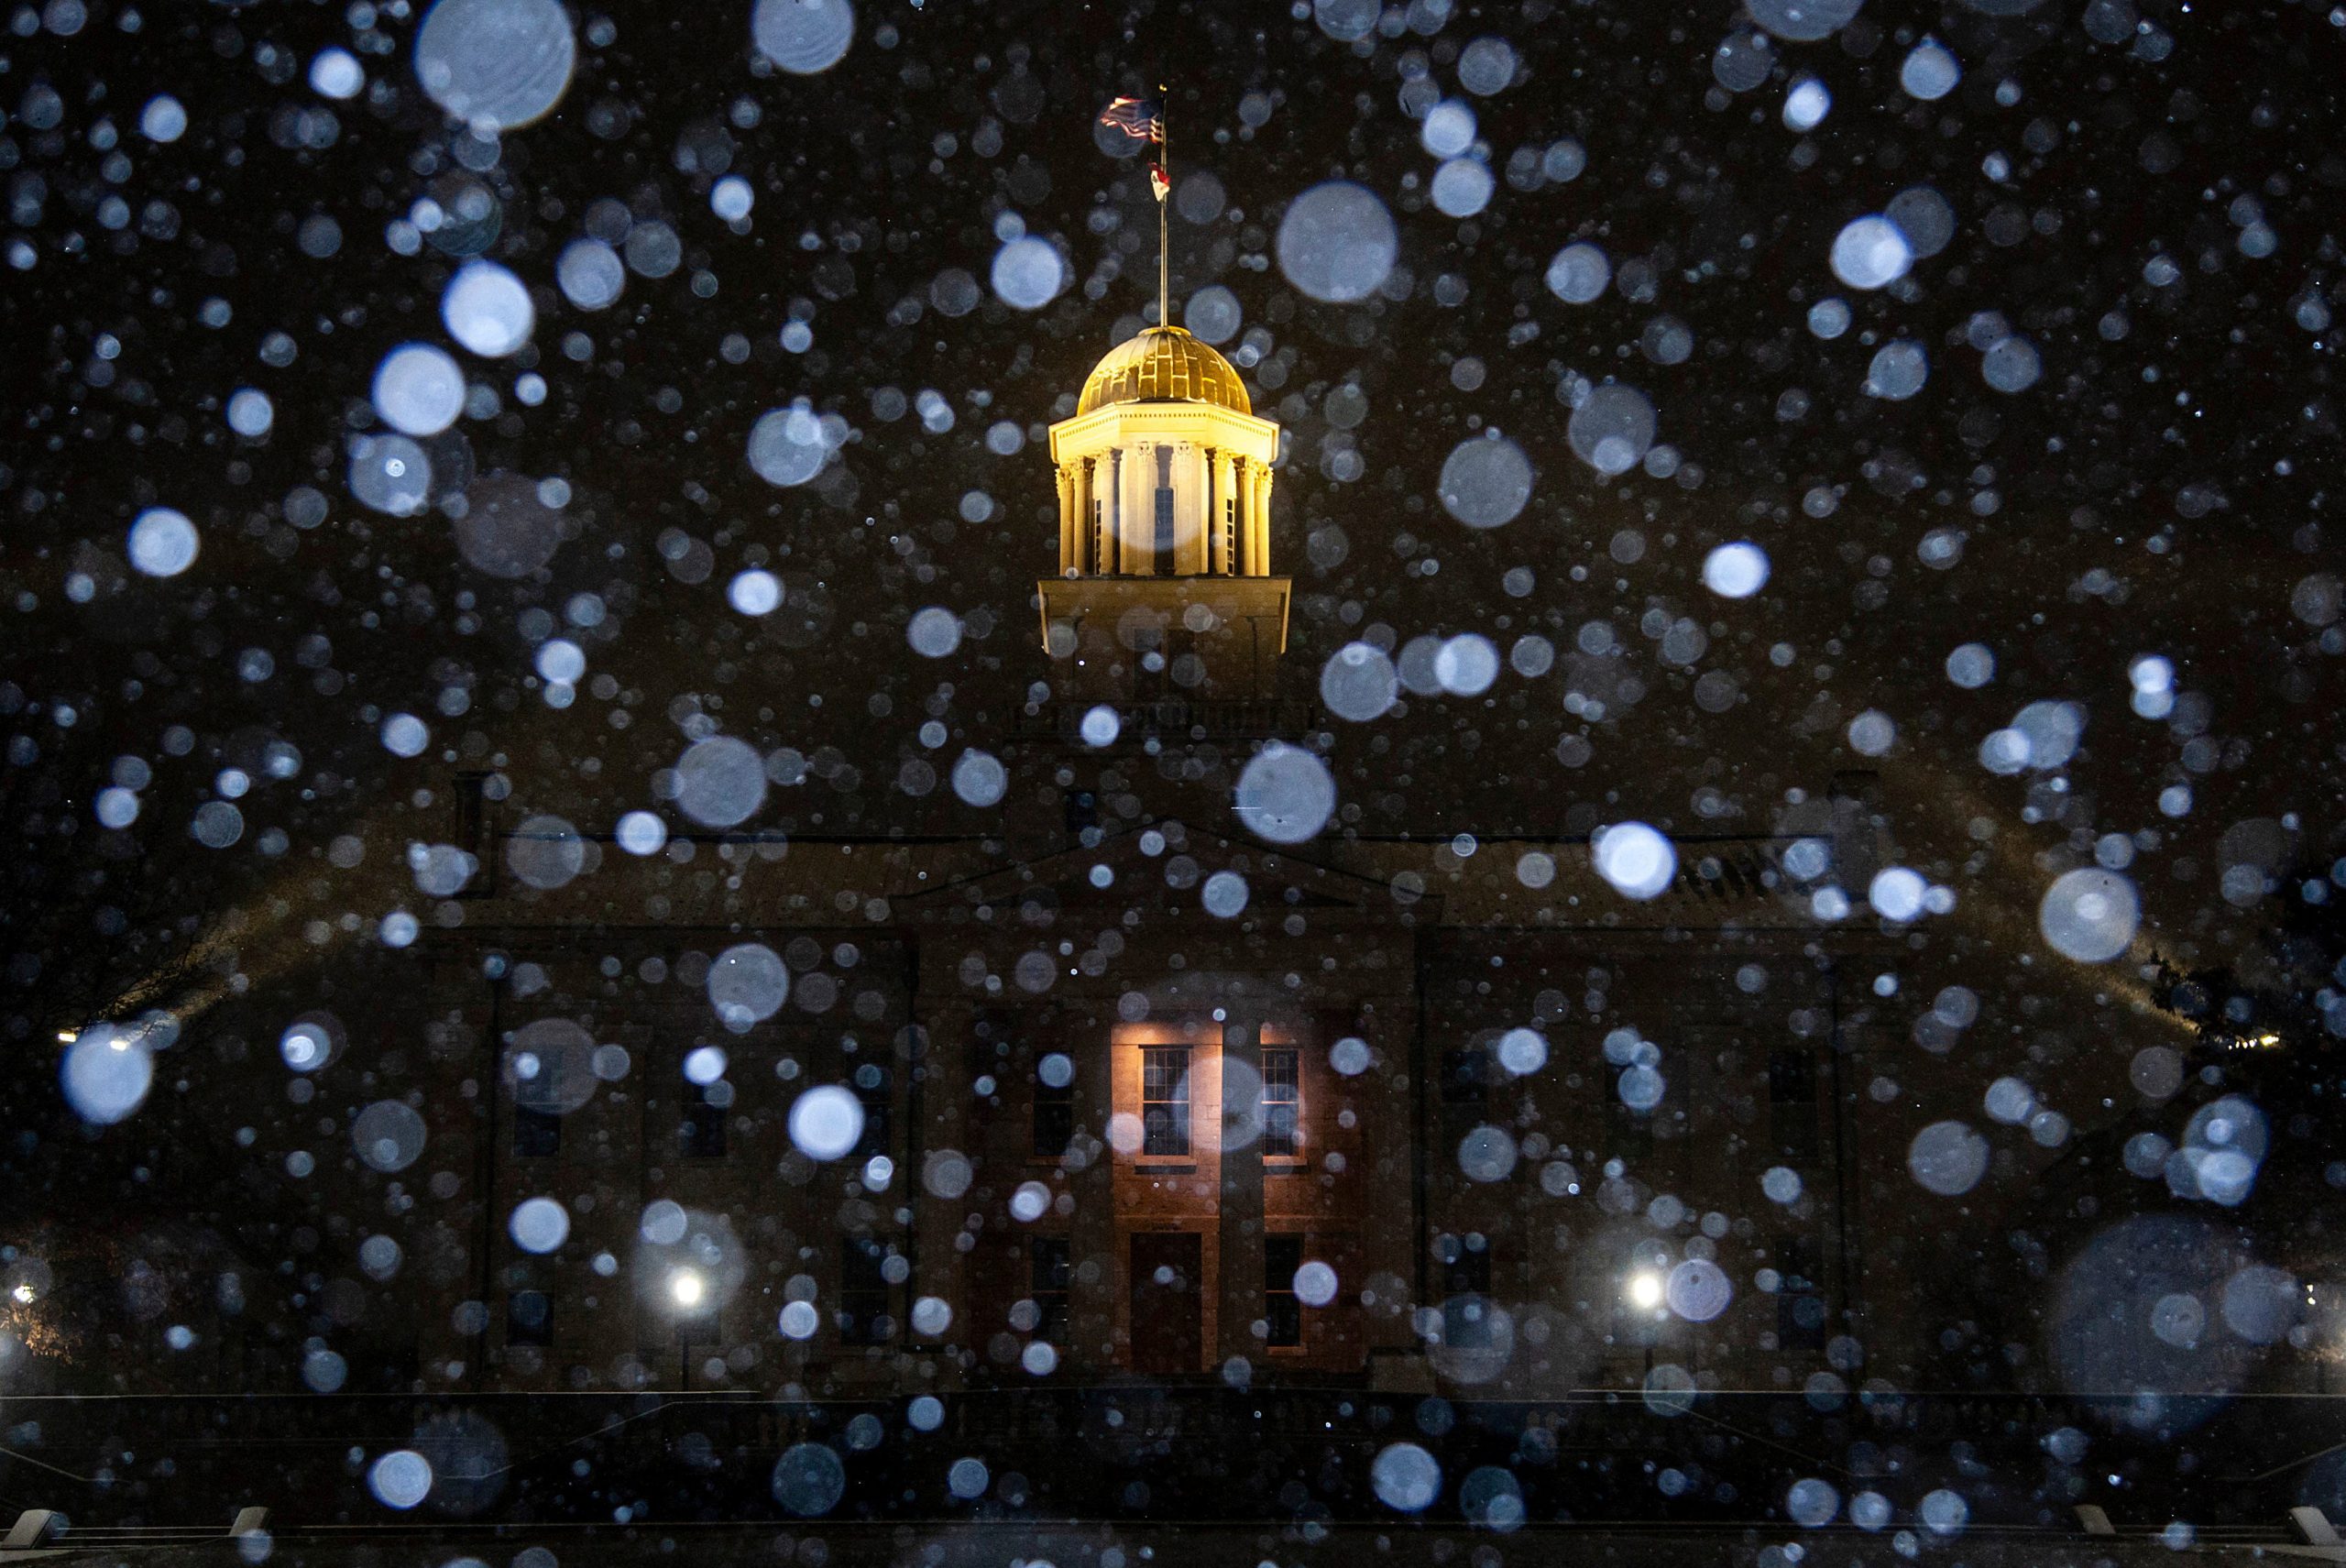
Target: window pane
1791, 1103
1282, 1103
536, 1133
1282, 1255
1165, 1100
1054, 1118
528, 1318
1465, 1095
872, 1091
701, 1134
1048, 1286
863, 1316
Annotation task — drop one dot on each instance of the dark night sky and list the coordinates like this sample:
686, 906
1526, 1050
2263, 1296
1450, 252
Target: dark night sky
2161, 488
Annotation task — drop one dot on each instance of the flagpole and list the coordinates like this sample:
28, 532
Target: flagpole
1164, 239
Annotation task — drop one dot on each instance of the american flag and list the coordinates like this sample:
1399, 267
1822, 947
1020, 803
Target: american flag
1143, 119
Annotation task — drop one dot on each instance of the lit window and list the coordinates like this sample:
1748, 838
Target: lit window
1165, 1100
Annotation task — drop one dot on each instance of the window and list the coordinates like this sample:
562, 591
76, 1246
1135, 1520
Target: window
1282, 1104
1466, 1265
1800, 1305
1047, 1283
528, 1318
1165, 1100
863, 1291
1054, 1117
1628, 1132
1282, 1255
872, 1093
1465, 1287
1464, 1094
537, 1134
701, 1134
471, 833
1791, 1102
1164, 539
1164, 522
542, 1092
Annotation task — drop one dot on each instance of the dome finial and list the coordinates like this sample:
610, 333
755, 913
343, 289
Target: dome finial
1160, 183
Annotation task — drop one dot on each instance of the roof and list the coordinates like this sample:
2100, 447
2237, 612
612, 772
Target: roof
1163, 363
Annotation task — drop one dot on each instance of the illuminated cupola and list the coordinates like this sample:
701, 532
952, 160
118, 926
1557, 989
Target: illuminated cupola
1165, 585
1164, 471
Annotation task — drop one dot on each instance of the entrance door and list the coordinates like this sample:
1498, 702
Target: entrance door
1168, 1298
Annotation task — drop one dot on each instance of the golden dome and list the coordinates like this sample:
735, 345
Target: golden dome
1163, 363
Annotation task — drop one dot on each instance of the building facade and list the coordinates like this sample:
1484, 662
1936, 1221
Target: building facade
1107, 1093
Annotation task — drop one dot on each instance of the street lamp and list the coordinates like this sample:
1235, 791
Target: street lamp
1646, 1292
687, 1289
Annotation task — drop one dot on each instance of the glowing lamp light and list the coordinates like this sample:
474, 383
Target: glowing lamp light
686, 1287
23, 1294
1645, 1290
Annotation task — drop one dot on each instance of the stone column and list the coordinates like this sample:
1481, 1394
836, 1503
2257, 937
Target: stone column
1239, 1214
1140, 514
1112, 532
1213, 511
1262, 519
1085, 530
1067, 516
1192, 487
1242, 483
1225, 536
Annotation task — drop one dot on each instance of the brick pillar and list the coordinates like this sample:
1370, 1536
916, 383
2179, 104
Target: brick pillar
1239, 1217
944, 1134
1094, 1271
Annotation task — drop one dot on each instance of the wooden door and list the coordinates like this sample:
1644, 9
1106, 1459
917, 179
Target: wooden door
1168, 1301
